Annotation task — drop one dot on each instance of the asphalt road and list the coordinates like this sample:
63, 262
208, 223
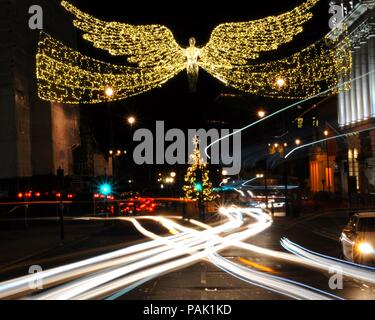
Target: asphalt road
203, 280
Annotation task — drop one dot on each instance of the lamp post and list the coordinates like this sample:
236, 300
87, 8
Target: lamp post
285, 145
265, 183
60, 179
132, 121
109, 93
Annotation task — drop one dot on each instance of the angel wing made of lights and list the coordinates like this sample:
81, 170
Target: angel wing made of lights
230, 43
155, 56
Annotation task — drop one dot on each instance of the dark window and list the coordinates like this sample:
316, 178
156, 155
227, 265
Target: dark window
366, 225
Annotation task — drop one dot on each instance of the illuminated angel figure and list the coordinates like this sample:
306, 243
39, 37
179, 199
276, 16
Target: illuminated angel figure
192, 54
155, 56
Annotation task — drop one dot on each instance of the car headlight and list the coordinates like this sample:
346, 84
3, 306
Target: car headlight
365, 248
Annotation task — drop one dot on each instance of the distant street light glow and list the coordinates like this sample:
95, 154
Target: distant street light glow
109, 92
261, 114
131, 120
281, 82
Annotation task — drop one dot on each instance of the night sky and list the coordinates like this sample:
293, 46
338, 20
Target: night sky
172, 102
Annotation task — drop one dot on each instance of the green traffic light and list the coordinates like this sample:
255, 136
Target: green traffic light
105, 189
198, 187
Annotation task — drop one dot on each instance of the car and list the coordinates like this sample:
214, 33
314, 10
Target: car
358, 239
137, 205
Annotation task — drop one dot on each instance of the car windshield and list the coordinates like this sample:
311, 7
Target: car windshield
366, 225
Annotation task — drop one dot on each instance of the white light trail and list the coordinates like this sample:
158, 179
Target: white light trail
285, 109
327, 139
127, 268
279, 285
113, 280
364, 273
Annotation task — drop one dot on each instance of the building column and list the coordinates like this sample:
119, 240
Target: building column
348, 102
365, 82
358, 85
353, 98
371, 56
342, 103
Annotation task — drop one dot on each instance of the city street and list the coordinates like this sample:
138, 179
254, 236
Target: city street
204, 280
195, 152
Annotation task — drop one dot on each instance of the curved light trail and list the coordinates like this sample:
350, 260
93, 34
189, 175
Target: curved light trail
114, 274
327, 139
285, 109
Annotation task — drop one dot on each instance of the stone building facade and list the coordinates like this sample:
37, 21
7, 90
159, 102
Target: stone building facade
37, 137
356, 106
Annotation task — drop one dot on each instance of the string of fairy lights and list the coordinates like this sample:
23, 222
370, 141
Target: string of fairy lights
233, 44
154, 57
66, 76
145, 45
230, 43
195, 186
304, 74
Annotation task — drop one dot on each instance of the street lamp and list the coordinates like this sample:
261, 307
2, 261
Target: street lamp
173, 174
326, 133
131, 120
298, 142
261, 114
169, 180
224, 172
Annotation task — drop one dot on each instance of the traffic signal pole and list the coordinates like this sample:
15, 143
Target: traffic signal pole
60, 178
200, 188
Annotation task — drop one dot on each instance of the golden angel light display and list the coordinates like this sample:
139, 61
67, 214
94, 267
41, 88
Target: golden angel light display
154, 57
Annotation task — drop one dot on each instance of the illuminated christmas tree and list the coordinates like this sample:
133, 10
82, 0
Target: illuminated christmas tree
197, 182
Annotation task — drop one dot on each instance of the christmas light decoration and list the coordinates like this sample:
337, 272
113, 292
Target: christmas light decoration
304, 74
230, 43
66, 76
154, 57
197, 181
235, 43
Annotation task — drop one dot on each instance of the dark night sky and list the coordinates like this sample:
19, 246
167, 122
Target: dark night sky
172, 102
